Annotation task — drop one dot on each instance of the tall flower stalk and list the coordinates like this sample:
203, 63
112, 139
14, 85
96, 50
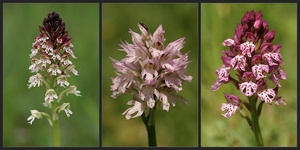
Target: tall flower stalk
152, 73
256, 60
52, 67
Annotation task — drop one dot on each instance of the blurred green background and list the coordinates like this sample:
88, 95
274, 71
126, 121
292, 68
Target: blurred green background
20, 25
179, 126
278, 124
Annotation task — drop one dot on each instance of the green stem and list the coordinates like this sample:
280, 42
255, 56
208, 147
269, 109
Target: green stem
55, 126
260, 107
149, 122
255, 122
244, 115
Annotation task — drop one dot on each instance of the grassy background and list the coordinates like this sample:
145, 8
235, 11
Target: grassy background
20, 25
179, 126
278, 124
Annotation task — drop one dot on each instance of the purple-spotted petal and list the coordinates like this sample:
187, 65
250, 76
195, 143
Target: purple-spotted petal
231, 109
273, 56
247, 48
279, 101
223, 73
276, 75
228, 42
257, 70
267, 95
248, 88
238, 62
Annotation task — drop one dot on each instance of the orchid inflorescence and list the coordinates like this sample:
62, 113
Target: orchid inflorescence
50, 62
152, 72
255, 59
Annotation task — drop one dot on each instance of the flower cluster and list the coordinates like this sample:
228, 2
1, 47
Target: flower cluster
151, 72
255, 59
50, 62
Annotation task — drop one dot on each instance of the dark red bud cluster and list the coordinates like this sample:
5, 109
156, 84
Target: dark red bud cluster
55, 29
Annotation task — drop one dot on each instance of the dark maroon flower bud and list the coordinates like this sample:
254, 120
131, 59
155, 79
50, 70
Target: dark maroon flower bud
249, 36
248, 76
245, 27
228, 53
257, 24
276, 48
47, 27
44, 21
239, 31
269, 36
67, 41
53, 34
262, 84
265, 26
273, 68
232, 98
258, 15
50, 43
226, 60
42, 29
266, 47
256, 59
276, 90
61, 30
248, 18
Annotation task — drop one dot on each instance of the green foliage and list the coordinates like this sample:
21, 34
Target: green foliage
278, 124
20, 25
179, 126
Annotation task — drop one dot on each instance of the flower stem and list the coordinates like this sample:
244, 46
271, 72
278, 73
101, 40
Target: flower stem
55, 126
255, 122
149, 122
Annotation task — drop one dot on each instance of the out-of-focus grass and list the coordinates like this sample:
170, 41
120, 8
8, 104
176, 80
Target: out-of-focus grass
278, 124
179, 126
20, 25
